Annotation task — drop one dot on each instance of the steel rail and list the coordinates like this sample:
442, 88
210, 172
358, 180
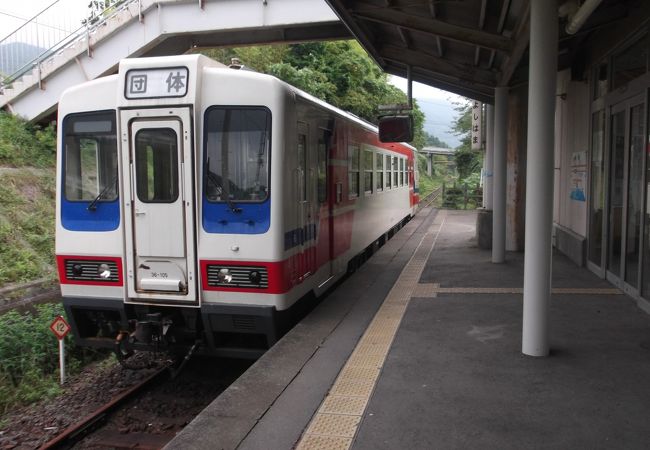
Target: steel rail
79, 430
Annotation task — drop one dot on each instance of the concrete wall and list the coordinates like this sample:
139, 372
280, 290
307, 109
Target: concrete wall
571, 153
571, 164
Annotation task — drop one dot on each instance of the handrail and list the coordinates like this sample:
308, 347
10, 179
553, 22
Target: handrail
56, 37
28, 21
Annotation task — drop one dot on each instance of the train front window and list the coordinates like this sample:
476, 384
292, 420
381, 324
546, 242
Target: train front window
90, 157
236, 164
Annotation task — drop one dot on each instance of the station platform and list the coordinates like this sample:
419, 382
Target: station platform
421, 349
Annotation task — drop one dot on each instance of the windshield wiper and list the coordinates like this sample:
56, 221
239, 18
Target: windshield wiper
92, 206
213, 178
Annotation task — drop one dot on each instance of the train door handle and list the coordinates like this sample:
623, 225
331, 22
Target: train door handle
140, 213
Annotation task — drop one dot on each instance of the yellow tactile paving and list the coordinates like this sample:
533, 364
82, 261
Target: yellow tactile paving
337, 419
312, 442
360, 372
357, 388
369, 360
338, 425
343, 404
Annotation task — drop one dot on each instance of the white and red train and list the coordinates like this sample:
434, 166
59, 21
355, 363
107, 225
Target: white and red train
197, 203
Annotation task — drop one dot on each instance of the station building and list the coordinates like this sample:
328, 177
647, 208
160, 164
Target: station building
566, 84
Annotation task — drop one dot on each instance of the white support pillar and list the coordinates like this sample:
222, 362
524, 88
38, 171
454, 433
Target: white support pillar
488, 162
499, 178
430, 164
539, 175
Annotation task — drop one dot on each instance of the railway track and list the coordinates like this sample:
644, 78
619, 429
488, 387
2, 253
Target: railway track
81, 429
429, 199
149, 414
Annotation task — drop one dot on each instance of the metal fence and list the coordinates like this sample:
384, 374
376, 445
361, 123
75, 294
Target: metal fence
53, 29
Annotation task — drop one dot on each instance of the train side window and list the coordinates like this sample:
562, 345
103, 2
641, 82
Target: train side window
302, 166
379, 180
367, 171
388, 175
156, 154
90, 157
395, 180
401, 171
322, 166
353, 171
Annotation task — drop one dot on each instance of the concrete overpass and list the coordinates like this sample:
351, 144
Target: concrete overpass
430, 151
162, 27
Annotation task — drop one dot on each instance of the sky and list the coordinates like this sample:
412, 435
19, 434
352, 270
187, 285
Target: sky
437, 106
14, 13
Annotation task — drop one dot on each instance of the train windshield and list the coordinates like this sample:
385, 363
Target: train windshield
238, 141
90, 157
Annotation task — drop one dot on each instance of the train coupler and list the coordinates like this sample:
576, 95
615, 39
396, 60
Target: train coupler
152, 331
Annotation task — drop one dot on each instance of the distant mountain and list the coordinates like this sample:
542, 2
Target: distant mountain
439, 116
15, 55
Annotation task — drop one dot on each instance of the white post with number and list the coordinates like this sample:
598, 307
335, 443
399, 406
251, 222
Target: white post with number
62, 360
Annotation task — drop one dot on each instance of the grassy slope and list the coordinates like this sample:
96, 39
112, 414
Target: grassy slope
26, 201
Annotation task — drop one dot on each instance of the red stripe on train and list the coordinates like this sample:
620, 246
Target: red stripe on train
63, 279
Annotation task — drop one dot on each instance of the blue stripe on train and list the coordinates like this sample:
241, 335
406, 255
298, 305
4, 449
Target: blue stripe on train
75, 216
299, 236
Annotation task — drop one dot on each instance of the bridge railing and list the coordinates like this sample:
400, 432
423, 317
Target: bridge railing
51, 30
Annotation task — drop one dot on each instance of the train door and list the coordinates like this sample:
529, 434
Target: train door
325, 205
303, 204
159, 207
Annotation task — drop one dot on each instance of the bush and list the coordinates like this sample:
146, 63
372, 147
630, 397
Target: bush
29, 358
22, 144
26, 225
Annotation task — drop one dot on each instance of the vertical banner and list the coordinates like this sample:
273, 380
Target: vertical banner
477, 140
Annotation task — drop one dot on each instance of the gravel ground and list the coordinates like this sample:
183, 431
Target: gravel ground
32, 426
153, 418
158, 412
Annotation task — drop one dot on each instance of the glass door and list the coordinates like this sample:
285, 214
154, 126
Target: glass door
616, 193
626, 191
632, 246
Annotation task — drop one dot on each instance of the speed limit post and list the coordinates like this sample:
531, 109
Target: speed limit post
60, 328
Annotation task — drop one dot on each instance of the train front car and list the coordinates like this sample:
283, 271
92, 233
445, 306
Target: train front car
197, 204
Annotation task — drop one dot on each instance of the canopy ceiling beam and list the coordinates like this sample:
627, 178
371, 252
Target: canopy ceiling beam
522, 39
429, 62
435, 27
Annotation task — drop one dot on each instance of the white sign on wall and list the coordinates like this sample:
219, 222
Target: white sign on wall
477, 108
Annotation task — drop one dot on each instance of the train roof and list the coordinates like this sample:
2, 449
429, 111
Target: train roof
348, 115
201, 62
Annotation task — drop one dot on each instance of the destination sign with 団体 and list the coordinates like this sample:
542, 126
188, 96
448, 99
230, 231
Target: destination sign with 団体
156, 83
477, 140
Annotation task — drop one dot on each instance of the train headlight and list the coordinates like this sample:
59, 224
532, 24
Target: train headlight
255, 277
77, 270
224, 276
104, 271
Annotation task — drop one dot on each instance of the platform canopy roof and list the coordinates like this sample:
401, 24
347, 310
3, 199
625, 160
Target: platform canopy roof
463, 46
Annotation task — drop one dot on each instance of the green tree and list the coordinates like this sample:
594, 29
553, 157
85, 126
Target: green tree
433, 141
467, 161
338, 72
